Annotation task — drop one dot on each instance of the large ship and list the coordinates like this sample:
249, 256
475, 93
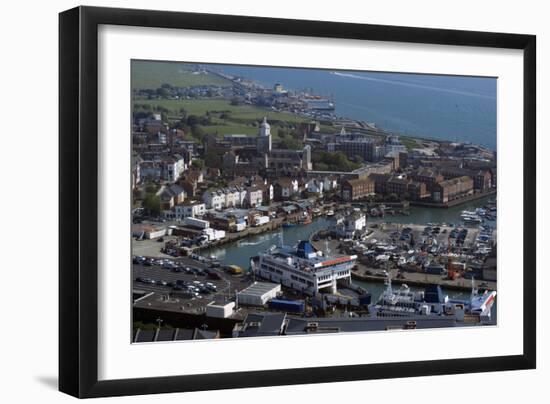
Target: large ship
304, 268
404, 302
319, 103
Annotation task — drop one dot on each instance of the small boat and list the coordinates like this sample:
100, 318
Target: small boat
306, 220
288, 224
330, 213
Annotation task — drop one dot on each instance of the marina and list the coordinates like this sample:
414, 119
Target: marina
262, 210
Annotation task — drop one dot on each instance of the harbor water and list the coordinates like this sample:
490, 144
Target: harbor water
240, 252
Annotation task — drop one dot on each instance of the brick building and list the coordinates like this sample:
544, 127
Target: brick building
357, 188
455, 188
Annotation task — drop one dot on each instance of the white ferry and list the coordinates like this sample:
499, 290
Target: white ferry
305, 268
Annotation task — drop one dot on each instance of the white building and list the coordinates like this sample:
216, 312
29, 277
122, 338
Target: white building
173, 168
214, 199
213, 234
180, 212
192, 209
258, 294
315, 186
218, 199
264, 138
220, 310
347, 227
254, 197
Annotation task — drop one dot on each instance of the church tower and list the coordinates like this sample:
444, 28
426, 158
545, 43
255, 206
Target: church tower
264, 138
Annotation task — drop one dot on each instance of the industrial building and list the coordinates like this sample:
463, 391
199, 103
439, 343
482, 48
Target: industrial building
258, 294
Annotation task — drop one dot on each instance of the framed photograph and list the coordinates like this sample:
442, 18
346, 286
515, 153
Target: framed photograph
252, 202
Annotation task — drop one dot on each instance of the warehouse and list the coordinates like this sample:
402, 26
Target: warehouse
258, 294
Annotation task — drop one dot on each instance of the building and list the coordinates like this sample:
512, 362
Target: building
224, 198
482, 180
394, 145
246, 155
148, 231
315, 186
284, 188
170, 196
172, 168
220, 310
254, 197
264, 138
258, 294
191, 209
455, 188
355, 189
260, 325
428, 176
288, 159
349, 226
356, 145
305, 269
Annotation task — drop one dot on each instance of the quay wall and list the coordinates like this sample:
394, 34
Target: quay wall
455, 202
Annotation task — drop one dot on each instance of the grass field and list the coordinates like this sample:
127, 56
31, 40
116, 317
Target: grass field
238, 112
152, 74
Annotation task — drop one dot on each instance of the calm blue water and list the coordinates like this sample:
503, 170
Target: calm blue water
456, 108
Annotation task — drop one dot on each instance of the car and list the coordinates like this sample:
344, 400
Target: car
138, 259
178, 269
214, 276
162, 283
143, 279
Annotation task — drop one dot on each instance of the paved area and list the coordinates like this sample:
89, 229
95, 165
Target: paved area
163, 296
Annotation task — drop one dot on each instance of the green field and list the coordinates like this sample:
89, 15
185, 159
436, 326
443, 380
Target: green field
411, 142
152, 74
238, 112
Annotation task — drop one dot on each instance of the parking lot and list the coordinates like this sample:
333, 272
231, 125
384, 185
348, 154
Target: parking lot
182, 284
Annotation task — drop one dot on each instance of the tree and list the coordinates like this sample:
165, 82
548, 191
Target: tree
151, 202
197, 131
212, 159
193, 120
198, 163
288, 142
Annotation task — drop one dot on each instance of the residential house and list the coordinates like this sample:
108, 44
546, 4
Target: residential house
214, 199
315, 186
284, 188
254, 196
170, 196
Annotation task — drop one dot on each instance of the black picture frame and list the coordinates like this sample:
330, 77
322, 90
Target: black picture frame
78, 206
